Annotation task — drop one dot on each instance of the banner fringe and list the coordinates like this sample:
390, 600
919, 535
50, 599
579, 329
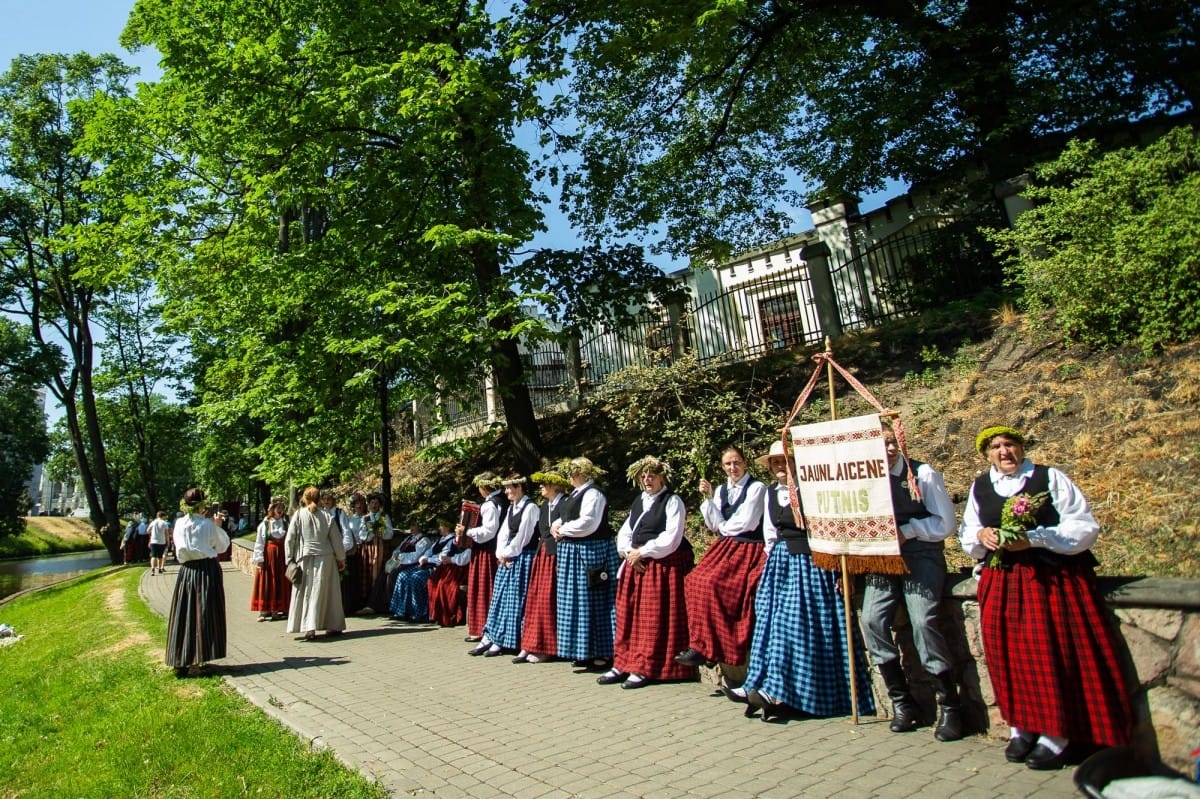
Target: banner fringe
861, 564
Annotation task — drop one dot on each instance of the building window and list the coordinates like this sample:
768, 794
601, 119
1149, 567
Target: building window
782, 323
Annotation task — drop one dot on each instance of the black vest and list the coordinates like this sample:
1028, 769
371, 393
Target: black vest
754, 536
795, 538
445, 546
904, 504
498, 499
991, 506
546, 518
569, 511
647, 525
514, 526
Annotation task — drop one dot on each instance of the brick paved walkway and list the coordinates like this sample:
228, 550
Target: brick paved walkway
405, 705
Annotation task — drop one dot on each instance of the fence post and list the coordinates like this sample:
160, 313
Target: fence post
675, 312
816, 256
573, 356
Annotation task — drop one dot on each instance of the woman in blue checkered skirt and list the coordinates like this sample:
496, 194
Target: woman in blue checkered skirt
798, 662
516, 543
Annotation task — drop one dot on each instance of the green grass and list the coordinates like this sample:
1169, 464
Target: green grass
33, 542
91, 711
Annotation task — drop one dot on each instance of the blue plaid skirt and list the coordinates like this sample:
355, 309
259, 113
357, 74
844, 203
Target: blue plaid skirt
506, 613
798, 650
587, 617
410, 597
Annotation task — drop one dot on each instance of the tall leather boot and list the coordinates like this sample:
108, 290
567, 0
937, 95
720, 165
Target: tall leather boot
949, 724
904, 709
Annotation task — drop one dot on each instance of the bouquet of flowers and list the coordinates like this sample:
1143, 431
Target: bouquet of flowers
1018, 515
377, 526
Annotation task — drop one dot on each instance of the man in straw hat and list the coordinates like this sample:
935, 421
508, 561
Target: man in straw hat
539, 639
587, 570
481, 575
925, 520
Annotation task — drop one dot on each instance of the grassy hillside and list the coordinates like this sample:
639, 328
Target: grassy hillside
49, 535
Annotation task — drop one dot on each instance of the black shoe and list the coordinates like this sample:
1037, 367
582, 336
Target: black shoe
473, 639
521, 659
479, 650
770, 710
494, 652
611, 677
732, 695
690, 657
181, 672
904, 715
1018, 749
1042, 759
630, 683
949, 724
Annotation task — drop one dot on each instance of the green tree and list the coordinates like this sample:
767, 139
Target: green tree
23, 439
45, 104
698, 115
1113, 241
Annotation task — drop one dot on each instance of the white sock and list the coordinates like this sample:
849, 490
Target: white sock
533, 659
612, 674
1055, 745
1017, 732
738, 692
635, 678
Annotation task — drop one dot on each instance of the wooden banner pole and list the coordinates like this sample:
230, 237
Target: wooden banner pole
846, 576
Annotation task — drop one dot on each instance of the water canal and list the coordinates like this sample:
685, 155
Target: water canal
21, 574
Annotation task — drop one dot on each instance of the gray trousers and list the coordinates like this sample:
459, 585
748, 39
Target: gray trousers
921, 590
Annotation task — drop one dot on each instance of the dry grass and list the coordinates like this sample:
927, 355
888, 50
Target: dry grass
1125, 428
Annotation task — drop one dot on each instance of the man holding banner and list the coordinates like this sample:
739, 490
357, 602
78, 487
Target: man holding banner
925, 518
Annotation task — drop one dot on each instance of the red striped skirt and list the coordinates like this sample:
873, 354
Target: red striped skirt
652, 619
447, 597
720, 600
1052, 653
480, 580
538, 635
272, 592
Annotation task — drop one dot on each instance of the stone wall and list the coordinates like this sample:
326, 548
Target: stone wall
1158, 620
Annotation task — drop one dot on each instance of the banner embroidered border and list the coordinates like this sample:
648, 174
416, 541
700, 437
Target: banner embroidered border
838, 438
871, 528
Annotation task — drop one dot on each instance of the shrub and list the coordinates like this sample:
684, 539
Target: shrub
1113, 242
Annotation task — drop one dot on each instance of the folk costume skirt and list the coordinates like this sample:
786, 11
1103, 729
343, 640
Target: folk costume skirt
652, 617
798, 649
480, 581
720, 600
372, 555
538, 634
317, 601
352, 598
585, 616
448, 595
272, 591
506, 614
1052, 654
410, 597
196, 629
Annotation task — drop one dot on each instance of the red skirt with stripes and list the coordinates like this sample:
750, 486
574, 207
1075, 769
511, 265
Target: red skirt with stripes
652, 623
720, 600
447, 595
538, 635
272, 591
480, 580
1052, 654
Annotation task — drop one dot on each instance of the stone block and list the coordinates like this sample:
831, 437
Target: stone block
1176, 718
1151, 655
1163, 623
1187, 660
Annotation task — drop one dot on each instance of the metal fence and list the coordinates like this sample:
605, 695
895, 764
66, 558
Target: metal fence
897, 277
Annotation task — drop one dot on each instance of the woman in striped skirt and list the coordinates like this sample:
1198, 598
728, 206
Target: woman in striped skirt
651, 618
515, 547
539, 641
587, 567
1051, 650
196, 629
798, 649
272, 591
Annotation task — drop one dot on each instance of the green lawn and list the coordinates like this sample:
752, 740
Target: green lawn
91, 711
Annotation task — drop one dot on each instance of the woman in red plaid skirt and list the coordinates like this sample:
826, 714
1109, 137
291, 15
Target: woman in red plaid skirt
1050, 649
651, 619
720, 590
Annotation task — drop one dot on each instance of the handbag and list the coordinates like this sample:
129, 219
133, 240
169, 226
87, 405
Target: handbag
597, 577
295, 573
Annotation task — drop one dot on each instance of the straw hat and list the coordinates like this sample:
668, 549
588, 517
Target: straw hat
550, 477
649, 464
776, 451
513, 479
487, 480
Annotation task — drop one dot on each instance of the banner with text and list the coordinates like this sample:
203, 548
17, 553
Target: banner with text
843, 483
